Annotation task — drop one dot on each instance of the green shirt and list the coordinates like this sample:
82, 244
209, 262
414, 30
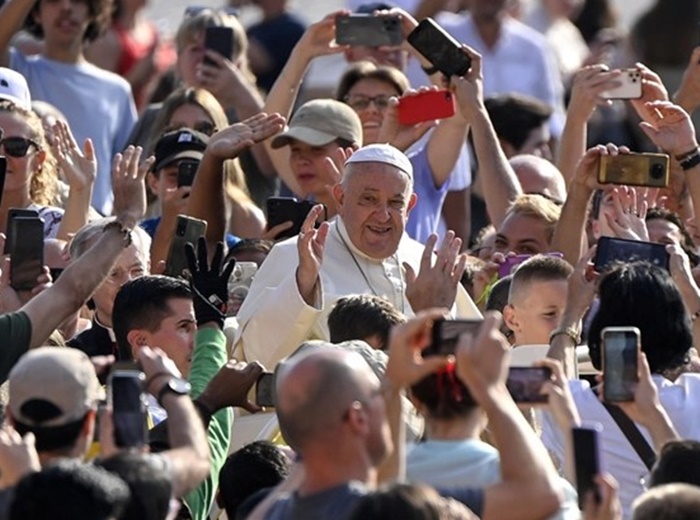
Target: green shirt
15, 338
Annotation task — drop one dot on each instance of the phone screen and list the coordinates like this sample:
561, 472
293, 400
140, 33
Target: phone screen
611, 250
185, 173
525, 384
439, 48
620, 377
585, 442
27, 252
446, 334
128, 409
265, 390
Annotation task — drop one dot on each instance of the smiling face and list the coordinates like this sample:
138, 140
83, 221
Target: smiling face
374, 200
308, 165
372, 114
523, 235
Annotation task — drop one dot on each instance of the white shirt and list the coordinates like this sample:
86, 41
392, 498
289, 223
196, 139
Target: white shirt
274, 319
681, 399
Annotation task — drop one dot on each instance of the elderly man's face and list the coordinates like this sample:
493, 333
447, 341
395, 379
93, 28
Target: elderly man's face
374, 202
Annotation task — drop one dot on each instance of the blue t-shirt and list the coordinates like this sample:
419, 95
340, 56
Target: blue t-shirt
98, 104
150, 225
425, 215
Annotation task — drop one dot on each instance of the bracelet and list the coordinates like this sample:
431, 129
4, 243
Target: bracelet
682, 157
430, 70
691, 162
570, 332
124, 231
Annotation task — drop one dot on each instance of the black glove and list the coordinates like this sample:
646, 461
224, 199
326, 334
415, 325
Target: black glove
209, 284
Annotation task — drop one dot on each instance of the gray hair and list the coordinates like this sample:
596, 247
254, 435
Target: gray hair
87, 236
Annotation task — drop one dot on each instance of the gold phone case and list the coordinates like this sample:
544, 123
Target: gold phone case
635, 169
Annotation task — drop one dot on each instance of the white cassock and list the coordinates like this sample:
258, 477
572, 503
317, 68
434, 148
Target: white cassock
274, 319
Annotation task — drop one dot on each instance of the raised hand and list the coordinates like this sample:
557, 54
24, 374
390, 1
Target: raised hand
175, 202
653, 89
128, 185
670, 128
319, 38
688, 95
18, 456
231, 385
232, 141
311, 243
629, 214
398, 135
588, 85
469, 90
79, 167
435, 285
586, 175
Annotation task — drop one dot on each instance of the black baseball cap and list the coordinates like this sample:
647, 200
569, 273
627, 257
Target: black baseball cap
179, 144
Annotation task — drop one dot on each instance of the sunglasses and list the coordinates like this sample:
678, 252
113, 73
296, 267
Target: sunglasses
17, 146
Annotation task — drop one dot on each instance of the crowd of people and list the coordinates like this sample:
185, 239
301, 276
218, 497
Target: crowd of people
238, 298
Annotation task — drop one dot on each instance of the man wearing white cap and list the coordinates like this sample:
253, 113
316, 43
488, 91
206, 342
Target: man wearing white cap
14, 88
364, 250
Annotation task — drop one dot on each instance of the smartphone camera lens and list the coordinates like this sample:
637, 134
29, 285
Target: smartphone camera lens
181, 228
657, 171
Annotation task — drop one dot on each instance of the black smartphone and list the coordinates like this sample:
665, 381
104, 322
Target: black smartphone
13, 213
439, 48
283, 209
265, 390
187, 230
26, 252
219, 39
585, 442
525, 384
611, 250
185, 172
3, 172
446, 334
369, 30
620, 348
126, 396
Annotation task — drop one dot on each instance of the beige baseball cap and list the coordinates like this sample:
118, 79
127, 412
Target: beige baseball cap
320, 122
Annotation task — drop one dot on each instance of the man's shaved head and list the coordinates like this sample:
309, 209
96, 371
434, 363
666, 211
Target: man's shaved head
537, 175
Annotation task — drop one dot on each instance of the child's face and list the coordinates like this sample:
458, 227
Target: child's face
535, 313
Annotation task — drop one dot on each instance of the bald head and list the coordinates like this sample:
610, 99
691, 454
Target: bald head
537, 175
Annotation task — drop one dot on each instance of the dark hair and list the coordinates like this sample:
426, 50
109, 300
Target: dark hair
143, 304
678, 461
687, 243
644, 296
539, 268
255, 466
149, 484
67, 490
369, 70
53, 438
498, 297
444, 395
362, 316
99, 11
514, 116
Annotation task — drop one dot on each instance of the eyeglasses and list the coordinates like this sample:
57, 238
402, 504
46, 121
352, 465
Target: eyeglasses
18, 146
360, 102
119, 277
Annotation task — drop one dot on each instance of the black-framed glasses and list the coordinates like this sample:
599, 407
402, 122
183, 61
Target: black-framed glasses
361, 102
18, 146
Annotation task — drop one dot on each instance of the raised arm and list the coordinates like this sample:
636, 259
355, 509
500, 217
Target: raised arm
77, 283
12, 14
500, 185
527, 473
688, 94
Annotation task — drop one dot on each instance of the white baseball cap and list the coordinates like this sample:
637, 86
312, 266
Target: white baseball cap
13, 87
382, 153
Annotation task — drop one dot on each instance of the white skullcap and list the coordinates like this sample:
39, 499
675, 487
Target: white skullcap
382, 153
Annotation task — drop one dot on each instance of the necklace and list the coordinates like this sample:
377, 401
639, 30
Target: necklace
402, 286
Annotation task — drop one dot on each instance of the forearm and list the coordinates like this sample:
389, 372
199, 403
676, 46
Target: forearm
571, 228
12, 14
76, 213
393, 469
572, 146
660, 427
207, 199
160, 246
444, 148
456, 210
499, 183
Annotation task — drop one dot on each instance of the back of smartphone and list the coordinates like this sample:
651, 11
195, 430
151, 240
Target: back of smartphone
219, 39
128, 408
26, 252
635, 169
187, 230
365, 29
630, 85
610, 250
283, 209
446, 334
239, 285
185, 172
426, 106
620, 348
585, 441
439, 48
13, 213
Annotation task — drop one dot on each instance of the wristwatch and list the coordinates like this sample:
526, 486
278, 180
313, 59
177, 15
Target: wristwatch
175, 385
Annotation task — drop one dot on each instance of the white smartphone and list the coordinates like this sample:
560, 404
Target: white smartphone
630, 88
239, 284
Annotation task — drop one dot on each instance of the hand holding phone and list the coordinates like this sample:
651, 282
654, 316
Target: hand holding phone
585, 441
26, 252
186, 170
265, 390
439, 48
187, 230
127, 399
630, 85
220, 40
287, 209
446, 333
635, 169
611, 250
620, 348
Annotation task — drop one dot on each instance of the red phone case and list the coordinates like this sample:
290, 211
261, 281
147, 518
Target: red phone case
426, 106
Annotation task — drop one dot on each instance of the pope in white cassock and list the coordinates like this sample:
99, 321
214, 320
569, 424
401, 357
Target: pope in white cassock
364, 250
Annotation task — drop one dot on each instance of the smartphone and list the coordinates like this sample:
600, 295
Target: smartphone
127, 399
439, 48
13, 213
366, 29
185, 172
283, 209
446, 334
265, 390
611, 250
239, 285
630, 88
585, 441
620, 347
3, 173
635, 169
219, 39
426, 106
27, 252
187, 230
525, 384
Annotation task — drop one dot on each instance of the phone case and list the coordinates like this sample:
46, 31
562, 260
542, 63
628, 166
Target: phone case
619, 363
426, 106
265, 390
369, 30
439, 48
585, 441
631, 87
219, 39
27, 252
284, 209
635, 169
187, 230
127, 399
611, 250
13, 213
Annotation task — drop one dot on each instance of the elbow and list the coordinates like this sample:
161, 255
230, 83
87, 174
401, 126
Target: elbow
549, 497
